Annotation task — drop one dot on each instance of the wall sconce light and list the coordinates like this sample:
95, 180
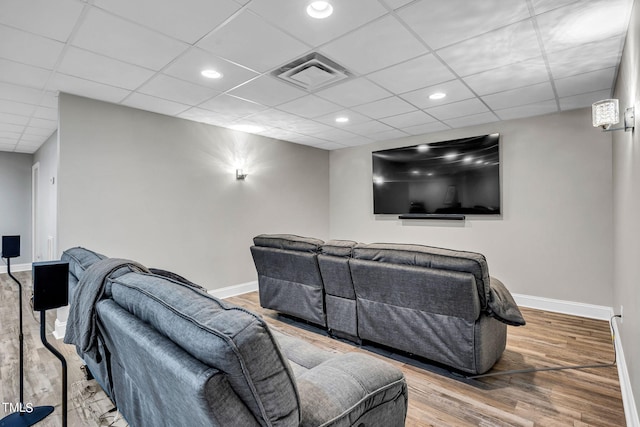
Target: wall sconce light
606, 113
240, 175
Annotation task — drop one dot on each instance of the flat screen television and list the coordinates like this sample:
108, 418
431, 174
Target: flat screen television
456, 177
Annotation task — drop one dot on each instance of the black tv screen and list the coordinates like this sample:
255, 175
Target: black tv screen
460, 176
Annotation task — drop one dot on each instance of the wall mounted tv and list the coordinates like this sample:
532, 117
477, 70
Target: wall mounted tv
447, 178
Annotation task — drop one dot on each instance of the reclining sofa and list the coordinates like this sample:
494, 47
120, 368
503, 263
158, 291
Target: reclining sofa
435, 303
169, 354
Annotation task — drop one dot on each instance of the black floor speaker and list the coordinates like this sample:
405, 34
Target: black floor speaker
50, 285
10, 246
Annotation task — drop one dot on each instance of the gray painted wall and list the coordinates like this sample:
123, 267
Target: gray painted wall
162, 190
46, 198
626, 202
15, 201
554, 238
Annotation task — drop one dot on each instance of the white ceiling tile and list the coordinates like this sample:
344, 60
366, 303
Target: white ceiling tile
87, 88
330, 146
458, 109
541, 6
472, 120
12, 107
521, 96
310, 106
49, 99
24, 75
14, 136
8, 146
387, 135
413, 118
46, 113
308, 140
454, 89
584, 100
391, 106
53, 19
354, 118
268, 91
43, 123
228, 104
354, 92
277, 133
587, 82
510, 76
432, 19
357, 141
31, 130
309, 127
426, 128
9, 141
584, 58
32, 139
206, 116
277, 118
22, 94
187, 20
536, 109
335, 135
291, 16
153, 104
190, 65
377, 45
91, 66
12, 122
419, 72
116, 38
249, 41
177, 90
396, 4
29, 48
507, 45
583, 22
369, 128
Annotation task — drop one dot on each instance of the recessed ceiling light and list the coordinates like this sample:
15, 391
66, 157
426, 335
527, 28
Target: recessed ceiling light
211, 74
342, 119
437, 95
451, 156
467, 159
319, 9
247, 128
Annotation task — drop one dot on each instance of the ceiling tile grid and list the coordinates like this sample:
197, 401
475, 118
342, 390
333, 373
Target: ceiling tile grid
494, 60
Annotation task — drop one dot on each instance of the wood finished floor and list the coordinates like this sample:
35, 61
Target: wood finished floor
587, 397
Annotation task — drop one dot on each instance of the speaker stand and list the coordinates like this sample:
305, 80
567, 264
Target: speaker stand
22, 418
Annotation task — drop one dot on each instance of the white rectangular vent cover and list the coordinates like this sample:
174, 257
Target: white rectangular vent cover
312, 72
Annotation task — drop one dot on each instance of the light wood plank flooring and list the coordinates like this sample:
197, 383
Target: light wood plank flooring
588, 397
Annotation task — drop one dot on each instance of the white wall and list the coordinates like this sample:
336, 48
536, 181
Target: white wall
46, 159
15, 202
554, 238
626, 202
162, 190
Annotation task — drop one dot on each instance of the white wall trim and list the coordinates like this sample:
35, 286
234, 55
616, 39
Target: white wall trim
591, 311
629, 403
15, 267
231, 291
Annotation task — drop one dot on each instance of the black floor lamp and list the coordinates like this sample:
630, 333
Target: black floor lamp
26, 415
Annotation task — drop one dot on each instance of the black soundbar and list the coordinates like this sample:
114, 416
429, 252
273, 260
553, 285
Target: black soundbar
456, 217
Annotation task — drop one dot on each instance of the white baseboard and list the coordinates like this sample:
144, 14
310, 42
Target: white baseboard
231, 291
591, 311
15, 267
629, 403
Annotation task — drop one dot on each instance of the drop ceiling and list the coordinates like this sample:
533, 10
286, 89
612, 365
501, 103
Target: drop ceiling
495, 60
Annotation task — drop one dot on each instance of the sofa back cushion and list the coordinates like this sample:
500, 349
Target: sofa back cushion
288, 242
430, 257
79, 259
220, 335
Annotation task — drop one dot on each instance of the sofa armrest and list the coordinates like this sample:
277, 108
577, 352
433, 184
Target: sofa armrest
353, 389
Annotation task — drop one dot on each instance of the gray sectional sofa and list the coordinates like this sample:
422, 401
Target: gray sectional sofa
435, 303
169, 354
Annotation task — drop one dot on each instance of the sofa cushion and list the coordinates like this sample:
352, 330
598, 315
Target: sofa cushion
341, 248
288, 242
222, 336
430, 257
79, 260
502, 306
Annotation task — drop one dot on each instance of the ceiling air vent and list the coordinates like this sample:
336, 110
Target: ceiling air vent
312, 72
